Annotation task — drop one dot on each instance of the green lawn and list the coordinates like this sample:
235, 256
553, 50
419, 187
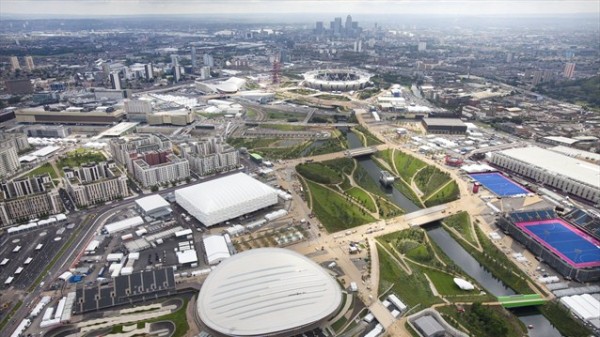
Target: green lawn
178, 318
371, 138
362, 198
303, 91
386, 207
407, 165
412, 289
345, 165
461, 222
284, 127
330, 97
46, 168
78, 157
319, 173
284, 115
386, 155
449, 193
403, 188
444, 283
367, 93
430, 179
334, 212
251, 143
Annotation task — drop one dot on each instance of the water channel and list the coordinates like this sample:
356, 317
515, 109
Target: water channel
529, 316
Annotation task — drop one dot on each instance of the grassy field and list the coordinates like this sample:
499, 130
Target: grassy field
334, 212
46, 168
449, 193
78, 157
368, 93
284, 127
303, 91
362, 198
461, 222
289, 116
407, 165
485, 321
403, 188
343, 165
370, 138
319, 173
412, 289
251, 143
178, 318
330, 97
431, 179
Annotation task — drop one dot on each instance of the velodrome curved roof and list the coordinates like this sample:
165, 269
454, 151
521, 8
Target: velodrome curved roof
267, 291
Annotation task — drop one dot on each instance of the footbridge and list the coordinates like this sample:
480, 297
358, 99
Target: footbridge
361, 151
516, 301
426, 215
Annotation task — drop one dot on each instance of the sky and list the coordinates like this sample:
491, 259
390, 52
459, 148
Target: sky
89, 8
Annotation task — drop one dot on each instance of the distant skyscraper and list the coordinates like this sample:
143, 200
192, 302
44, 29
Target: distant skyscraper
205, 72
208, 60
115, 80
29, 66
319, 27
149, 71
194, 58
176, 70
422, 46
348, 25
14, 63
569, 70
358, 46
337, 26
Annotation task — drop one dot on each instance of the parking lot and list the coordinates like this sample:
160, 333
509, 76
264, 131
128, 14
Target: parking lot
52, 238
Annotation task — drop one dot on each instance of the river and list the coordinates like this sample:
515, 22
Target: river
373, 171
529, 315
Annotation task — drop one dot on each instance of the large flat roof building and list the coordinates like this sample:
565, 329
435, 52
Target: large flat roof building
73, 116
444, 125
154, 206
570, 175
267, 292
225, 198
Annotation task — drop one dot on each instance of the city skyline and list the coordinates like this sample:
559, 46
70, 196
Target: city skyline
98, 8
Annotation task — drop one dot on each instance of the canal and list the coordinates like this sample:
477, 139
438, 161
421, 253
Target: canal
530, 316
373, 171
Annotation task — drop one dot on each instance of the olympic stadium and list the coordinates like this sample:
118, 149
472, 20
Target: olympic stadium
336, 79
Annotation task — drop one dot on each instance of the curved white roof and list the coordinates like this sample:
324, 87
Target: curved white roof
267, 291
225, 198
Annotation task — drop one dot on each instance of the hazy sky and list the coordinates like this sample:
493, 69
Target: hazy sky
339, 7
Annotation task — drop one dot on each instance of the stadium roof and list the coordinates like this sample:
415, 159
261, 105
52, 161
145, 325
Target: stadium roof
444, 121
558, 163
152, 203
267, 291
225, 198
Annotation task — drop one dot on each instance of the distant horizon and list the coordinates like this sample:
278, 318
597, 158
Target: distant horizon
137, 8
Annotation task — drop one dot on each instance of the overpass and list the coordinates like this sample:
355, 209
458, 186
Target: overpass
426, 215
517, 301
361, 151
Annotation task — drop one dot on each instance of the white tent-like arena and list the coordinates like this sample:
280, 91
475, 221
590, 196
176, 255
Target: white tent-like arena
225, 198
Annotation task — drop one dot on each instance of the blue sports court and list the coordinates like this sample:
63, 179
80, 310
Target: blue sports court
499, 184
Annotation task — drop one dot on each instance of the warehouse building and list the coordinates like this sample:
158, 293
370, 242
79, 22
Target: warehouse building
73, 115
562, 172
450, 126
267, 292
225, 198
154, 206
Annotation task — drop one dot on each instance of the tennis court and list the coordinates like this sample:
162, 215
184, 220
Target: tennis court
499, 184
573, 245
